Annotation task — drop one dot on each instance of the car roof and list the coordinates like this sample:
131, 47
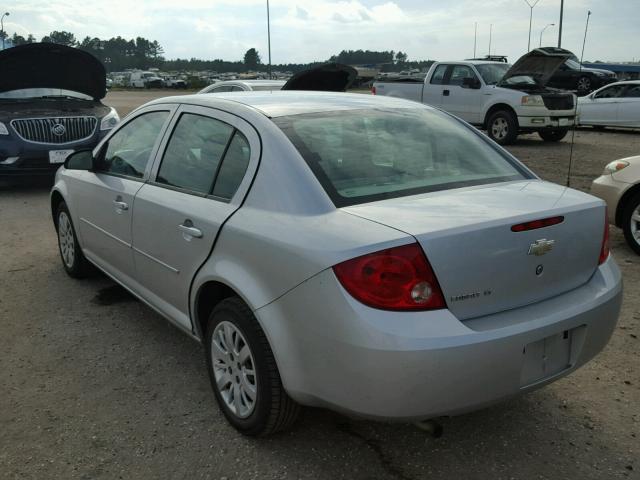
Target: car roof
252, 82
473, 62
293, 102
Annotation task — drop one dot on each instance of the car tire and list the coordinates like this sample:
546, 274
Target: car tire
631, 222
599, 127
553, 135
271, 410
73, 260
502, 127
583, 85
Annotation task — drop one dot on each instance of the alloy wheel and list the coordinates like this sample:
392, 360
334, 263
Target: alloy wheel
584, 84
66, 240
635, 224
234, 369
499, 128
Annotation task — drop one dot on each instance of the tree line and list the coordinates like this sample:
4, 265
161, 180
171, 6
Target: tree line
118, 54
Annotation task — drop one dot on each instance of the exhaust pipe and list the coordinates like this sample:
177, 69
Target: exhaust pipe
431, 427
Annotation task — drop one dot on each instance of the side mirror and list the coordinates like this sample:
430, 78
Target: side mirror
80, 160
470, 82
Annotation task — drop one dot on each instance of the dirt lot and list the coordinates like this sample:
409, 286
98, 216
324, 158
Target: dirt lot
93, 384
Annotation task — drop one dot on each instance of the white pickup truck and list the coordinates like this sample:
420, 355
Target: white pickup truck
504, 99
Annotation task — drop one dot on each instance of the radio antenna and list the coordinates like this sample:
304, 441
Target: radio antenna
575, 109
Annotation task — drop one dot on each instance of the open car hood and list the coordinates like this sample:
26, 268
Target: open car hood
540, 63
330, 77
48, 65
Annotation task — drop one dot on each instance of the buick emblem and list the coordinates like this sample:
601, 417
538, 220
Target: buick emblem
58, 129
541, 247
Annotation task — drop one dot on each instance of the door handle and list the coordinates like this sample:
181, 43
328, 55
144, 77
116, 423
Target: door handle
121, 205
445, 93
190, 231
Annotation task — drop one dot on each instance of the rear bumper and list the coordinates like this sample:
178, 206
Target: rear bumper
610, 190
407, 366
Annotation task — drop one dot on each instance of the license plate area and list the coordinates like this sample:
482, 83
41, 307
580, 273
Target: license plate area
59, 156
549, 356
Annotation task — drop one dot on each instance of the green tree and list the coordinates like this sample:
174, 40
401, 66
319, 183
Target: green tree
61, 38
401, 57
252, 59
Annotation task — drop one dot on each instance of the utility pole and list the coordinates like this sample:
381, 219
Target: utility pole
560, 26
269, 38
5, 14
490, 31
531, 5
475, 40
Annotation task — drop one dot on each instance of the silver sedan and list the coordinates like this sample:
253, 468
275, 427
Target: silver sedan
365, 254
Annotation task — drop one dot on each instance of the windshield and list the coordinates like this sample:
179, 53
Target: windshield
366, 155
572, 64
492, 73
520, 80
258, 88
42, 93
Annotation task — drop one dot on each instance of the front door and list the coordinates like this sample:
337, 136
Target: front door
193, 190
602, 107
463, 101
106, 194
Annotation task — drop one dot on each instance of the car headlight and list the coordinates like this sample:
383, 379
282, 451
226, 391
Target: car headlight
3, 129
110, 120
532, 101
615, 166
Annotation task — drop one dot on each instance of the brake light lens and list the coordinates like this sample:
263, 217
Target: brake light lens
604, 250
373, 90
398, 278
535, 224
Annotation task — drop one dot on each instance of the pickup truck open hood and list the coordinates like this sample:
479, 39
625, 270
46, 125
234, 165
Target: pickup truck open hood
48, 65
540, 63
330, 77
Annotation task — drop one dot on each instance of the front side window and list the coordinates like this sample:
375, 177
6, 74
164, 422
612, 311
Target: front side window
633, 91
459, 73
194, 153
367, 155
129, 149
610, 92
438, 76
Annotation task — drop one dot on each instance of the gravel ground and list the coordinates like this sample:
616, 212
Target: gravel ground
95, 385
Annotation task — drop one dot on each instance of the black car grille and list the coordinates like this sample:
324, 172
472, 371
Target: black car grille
558, 102
55, 130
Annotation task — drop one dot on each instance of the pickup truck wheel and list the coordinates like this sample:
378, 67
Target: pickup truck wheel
631, 222
584, 85
553, 135
502, 127
73, 260
243, 372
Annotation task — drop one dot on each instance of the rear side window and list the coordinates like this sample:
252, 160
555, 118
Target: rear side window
233, 167
367, 155
194, 153
633, 91
438, 76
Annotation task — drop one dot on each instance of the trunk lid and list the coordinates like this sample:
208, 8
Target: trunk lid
482, 266
540, 63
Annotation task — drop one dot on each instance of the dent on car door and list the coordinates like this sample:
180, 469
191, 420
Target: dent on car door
104, 196
198, 183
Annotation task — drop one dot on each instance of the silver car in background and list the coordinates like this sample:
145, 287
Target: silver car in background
243, 86
365, 254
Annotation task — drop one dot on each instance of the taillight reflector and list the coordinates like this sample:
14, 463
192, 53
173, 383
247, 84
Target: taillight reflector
535, 224
398, 278
604, 249
373, 90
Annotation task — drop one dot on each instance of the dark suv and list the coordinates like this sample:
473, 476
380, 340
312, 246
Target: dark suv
49, 107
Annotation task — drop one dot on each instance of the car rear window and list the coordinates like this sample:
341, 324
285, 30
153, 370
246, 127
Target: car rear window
367, 155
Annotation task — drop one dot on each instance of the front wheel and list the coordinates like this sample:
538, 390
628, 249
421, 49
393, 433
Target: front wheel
553, 135
243, 372
631, 222
502, 127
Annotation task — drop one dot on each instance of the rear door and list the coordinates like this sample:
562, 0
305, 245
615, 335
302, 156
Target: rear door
105, 195
629, 107
202, 173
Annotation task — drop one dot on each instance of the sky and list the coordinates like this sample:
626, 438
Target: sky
304, 31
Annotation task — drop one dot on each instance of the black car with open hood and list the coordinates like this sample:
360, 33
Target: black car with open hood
50, 106
330, 77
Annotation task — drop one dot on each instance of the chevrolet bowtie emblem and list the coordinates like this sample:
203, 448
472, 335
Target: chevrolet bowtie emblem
540, 247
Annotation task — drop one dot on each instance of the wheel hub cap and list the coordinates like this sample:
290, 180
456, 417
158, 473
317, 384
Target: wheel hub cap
234, 369
65, 239
500, 128
635, 224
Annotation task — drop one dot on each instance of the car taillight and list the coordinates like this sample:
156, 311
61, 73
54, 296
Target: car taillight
535, 224
604, 249
373, 90
398, 278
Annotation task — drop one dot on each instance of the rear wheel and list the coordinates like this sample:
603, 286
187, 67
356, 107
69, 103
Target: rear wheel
73, 260
502, 127
553, 135
243, 372
584, 85
631, 222
599, 127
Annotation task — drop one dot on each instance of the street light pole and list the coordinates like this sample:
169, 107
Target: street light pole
542, 31
269, 38
475, 39
5, 14
560, 26
531, 5
490, 31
